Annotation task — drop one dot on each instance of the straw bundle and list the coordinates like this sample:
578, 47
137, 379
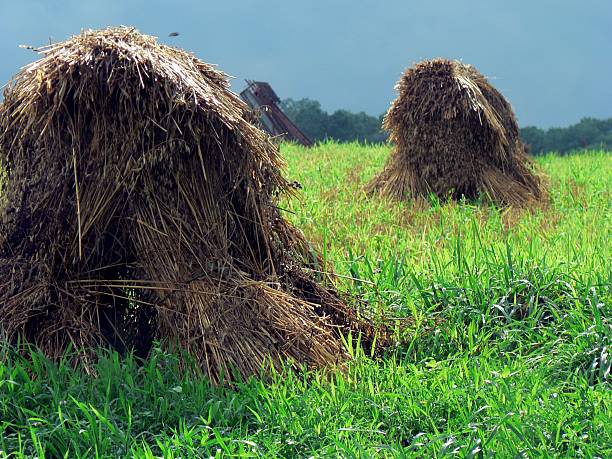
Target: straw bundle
141, 204
455, 135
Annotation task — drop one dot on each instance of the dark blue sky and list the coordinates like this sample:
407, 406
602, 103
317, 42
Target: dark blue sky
551, 58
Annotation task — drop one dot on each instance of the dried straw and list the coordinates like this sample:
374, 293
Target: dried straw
141, 204
455, 135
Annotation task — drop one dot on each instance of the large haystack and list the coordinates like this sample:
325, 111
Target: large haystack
141, 204
455, 135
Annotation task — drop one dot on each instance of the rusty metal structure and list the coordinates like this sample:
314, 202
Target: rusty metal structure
261, 97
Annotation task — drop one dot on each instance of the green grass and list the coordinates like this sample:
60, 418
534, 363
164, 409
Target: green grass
508, 352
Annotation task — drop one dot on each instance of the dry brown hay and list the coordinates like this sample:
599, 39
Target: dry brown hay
141, 203
455, 136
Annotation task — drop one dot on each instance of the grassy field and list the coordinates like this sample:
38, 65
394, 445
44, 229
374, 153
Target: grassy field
507, 353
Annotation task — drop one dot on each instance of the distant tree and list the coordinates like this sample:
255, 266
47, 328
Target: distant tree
588, 133
308, 116
369, 128
534, 138
341, 125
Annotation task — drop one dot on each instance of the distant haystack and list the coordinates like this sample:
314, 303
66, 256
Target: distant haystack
142, 204
455, 135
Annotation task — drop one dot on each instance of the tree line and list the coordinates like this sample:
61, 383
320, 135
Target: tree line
341, 125
588, 133
345, 126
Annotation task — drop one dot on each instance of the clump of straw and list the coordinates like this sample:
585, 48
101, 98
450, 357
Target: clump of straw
455, 136
141, 203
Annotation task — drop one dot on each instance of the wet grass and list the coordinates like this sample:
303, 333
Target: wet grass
507, 353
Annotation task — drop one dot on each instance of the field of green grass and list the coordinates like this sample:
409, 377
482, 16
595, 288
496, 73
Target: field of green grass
506, 349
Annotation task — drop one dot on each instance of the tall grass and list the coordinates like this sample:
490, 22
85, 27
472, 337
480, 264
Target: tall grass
505, 352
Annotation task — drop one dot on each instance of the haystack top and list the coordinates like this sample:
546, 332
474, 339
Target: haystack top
444, 89
115, 58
